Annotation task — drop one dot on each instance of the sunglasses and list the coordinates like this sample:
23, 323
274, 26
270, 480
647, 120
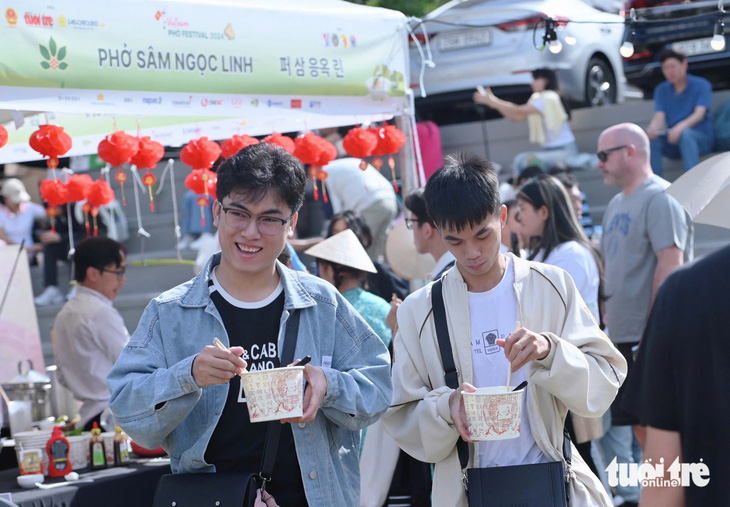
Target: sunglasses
603, 154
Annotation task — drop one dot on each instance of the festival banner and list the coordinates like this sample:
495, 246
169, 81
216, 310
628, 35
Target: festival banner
223, 59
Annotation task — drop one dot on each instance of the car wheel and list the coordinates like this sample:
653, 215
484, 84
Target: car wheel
600, 85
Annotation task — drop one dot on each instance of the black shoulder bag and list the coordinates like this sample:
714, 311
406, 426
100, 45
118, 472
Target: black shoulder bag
538, 485
229, 489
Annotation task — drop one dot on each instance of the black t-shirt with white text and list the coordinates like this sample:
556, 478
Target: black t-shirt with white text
237, 444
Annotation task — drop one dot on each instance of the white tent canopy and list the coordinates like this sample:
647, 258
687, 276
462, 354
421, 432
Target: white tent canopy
181, 69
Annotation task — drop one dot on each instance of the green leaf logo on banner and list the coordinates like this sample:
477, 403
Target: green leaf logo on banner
53, 56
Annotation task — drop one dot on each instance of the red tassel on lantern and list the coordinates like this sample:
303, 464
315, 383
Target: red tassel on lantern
149, 179
52, 142
98, 194
321, 176
360, 143
149, 153
283, 141
390, 140
204, 183
3, 136
121, 178
87, 208
237, 143
203, 201
55, 194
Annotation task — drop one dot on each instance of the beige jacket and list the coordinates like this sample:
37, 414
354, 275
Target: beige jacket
582, 373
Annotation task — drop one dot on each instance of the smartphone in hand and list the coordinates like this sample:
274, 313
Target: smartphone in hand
481, 90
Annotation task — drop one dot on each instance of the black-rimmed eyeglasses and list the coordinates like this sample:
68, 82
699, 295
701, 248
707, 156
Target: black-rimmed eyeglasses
603, 154
239, 219
119, 272
411, 221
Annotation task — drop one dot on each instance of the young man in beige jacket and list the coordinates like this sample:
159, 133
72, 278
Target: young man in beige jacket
559, 349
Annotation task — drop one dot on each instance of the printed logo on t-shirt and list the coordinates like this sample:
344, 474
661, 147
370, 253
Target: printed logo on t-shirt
259, 358
487, 344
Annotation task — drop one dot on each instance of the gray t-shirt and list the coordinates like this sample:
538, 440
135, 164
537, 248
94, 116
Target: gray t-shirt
635, 227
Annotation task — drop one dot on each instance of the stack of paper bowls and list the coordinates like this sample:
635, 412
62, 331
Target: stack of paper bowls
25, 440
78, 453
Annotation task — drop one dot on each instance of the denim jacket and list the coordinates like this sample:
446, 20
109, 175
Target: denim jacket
156, 400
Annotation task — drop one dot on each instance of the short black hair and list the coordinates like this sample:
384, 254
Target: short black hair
355, 223
97, 252
258, 168
528, 172
415, 202
667, 53
464, 192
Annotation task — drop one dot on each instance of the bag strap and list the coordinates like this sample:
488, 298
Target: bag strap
451, 375
273, 432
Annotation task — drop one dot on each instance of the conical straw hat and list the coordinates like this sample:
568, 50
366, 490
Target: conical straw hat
400, 251
343, 248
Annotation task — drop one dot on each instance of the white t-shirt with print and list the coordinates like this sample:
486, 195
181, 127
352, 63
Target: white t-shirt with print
493, 315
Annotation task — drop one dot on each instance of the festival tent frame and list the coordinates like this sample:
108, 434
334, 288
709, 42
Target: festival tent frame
178, 69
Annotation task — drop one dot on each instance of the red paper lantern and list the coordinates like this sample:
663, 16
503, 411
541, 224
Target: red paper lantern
390, 140
315, 151
50, 141
98, 194
200, 153
148, 154
307, 148
360, 143
237, 143
55, 194
202, 181
327, 154
76, 187
3, 136
283, 141
118, 148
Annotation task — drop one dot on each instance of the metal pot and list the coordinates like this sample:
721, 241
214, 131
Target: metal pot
31, 386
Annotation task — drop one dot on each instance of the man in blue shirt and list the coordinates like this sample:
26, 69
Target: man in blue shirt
681, 126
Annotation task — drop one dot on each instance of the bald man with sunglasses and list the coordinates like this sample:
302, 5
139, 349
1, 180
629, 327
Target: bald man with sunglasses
646, 235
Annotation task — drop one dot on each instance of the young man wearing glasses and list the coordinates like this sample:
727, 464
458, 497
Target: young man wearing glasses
89, 332
172, 387
426, 236
646, 235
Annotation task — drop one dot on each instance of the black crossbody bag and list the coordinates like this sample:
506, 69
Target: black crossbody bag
229, 489
538, 485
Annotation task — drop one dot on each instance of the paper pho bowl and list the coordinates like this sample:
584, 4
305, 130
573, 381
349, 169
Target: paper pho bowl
274, 394
493, 413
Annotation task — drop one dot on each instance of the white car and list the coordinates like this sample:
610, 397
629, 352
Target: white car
493, 43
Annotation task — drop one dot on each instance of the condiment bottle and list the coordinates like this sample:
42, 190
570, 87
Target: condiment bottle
121, 447
96, 449
57, 449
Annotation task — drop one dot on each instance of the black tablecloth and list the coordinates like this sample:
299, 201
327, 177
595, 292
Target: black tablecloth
129, 486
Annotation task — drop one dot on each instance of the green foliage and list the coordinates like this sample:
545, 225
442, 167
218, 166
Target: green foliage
44, 52
52, 46
418, 8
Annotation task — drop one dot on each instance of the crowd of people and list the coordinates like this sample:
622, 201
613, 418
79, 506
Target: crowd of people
525, 288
